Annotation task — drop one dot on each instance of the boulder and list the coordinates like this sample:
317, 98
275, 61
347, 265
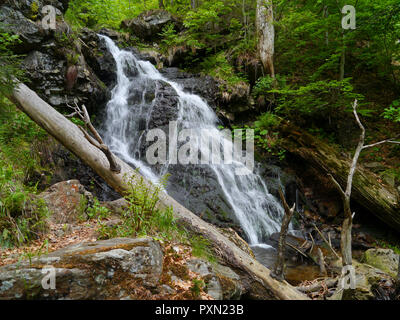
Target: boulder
32, 7
148, 25
67, 201
383, 259
109, 269
222, 283
369, 280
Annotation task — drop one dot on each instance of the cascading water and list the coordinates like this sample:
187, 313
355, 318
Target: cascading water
127, 120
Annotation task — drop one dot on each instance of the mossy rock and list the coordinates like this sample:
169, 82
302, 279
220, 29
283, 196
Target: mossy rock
383, 259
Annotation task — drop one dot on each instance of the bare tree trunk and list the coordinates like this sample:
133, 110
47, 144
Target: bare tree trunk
161, 4
342, 59
68, 134
266, 34
326, 14
280, 261
345, 240
193, 4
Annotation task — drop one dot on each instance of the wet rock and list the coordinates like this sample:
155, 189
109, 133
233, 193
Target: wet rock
383, 259
206, 87
98, 57
148, 25
66, 201
99, 270
165, 106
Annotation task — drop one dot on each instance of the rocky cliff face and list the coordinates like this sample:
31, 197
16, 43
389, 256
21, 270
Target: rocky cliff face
56, 64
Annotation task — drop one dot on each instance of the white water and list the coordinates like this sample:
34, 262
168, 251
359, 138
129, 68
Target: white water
258, 212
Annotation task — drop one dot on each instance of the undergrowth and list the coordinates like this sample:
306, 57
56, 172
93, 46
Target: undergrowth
143, 216
22, 215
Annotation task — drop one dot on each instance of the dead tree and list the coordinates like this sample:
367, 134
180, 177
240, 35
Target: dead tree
266, 34
97, 141
280, 260
345, 240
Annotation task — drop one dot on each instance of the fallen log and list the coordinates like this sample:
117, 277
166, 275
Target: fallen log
379, 199
257, 277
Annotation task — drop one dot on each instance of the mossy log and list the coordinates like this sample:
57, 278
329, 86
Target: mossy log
257, 277
368, 192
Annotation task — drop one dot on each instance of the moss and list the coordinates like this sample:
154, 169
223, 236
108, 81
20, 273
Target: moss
34, 10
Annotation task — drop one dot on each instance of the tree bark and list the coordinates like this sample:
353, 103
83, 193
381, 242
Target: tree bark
279, 269
260, 283
266, 34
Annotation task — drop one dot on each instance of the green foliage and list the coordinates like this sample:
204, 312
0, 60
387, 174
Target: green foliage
142, 217
92, 211
219, 67
393, 112
18, 136
267, 121
105, 13
9, 62
201, 248
22, 215
197, 287
34, 10
170, 38
316, 99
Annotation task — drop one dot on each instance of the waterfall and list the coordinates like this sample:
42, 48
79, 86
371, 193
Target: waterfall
127, 120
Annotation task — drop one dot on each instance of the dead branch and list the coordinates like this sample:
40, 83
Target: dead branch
321, 262
278, 272
328, 283
326, 241
97, 141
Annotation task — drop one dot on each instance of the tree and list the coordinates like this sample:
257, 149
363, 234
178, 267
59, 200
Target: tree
345, 239
266, 34
279, 268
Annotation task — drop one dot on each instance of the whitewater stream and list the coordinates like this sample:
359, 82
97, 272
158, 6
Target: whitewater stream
129, 119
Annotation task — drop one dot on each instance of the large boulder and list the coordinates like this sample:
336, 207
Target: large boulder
383, 259
31, 8
370, 283
109, 269
222, 283
66, 201
51, 78
149, 24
